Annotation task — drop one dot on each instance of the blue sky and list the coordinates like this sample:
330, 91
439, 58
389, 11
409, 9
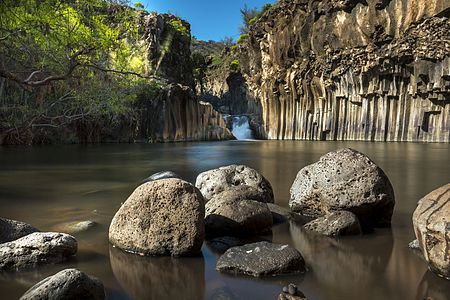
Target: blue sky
210, 19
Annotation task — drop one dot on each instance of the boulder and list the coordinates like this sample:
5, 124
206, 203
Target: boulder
11, 230
161, 175
414, 245
261, 259
236, 217
431, 221
251, 185
344, 180
69, 284
162, 217
337, 223
35, 249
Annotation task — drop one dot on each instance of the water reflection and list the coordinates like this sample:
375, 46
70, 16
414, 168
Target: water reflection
433, 287
159, 277
339, 265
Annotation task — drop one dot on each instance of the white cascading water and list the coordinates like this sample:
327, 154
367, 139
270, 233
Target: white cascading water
241, 128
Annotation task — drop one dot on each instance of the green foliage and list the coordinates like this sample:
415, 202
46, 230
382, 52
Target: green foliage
242, 38
216, 61
266, 7
178, 25
65, 61
139, 5
234, 47
234, 65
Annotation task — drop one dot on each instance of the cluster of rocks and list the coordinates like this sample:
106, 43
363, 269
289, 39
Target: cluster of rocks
344, 193
23, 248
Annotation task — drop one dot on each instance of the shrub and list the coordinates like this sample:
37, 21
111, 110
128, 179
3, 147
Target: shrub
178, 25
234, 65
242, 38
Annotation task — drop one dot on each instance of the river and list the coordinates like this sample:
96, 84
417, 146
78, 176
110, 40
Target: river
48, 186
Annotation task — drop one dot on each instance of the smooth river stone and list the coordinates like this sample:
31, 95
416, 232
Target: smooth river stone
337, 223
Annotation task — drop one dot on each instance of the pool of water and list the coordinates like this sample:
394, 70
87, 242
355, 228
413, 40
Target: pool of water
48, 186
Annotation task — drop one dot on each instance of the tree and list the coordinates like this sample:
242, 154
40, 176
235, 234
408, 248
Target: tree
247, 15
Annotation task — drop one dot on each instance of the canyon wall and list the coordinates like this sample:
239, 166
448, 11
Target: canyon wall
374, 70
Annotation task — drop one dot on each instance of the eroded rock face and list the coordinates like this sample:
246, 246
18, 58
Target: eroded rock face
336, 224
163, 217
69, 284
261, 259
11, 230
351, 70
431, 221
235, 217
344, 180
35, 249
241, 180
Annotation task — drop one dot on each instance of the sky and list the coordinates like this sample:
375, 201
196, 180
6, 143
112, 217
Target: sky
210, 19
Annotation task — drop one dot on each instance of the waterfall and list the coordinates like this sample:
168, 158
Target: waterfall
241, 128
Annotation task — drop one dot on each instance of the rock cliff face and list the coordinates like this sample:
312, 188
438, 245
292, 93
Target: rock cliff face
177, 115
375, 70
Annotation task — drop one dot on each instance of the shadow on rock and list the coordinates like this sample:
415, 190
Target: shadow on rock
341, 263
159, 277
219, 245
433, 287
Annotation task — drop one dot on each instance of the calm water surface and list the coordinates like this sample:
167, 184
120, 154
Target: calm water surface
48, 186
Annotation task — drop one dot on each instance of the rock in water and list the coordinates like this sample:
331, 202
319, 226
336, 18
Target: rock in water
214, 182
336, 224
344, 180
431, 221
260, 259
39, 248
76, 227
414, 245
69, 284
229, 216
11, 230
162, 217
161, 175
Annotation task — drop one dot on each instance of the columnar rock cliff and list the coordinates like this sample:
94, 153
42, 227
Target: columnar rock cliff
375, 70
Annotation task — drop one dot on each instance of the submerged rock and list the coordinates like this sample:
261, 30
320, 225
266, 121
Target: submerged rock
336, 224
11, 230
223, 243
69, 284
35, 249
238, 178
236, 217
161, 175
344, 180
162, 217
283, 215
431, 221
76, 227
291, 292
261, 259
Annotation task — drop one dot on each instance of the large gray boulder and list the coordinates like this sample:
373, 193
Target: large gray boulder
162, 217
431, 221
235, 217
261, 259
337, 223
69, 284
242, 180
11, 230
35, 249
344, 180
